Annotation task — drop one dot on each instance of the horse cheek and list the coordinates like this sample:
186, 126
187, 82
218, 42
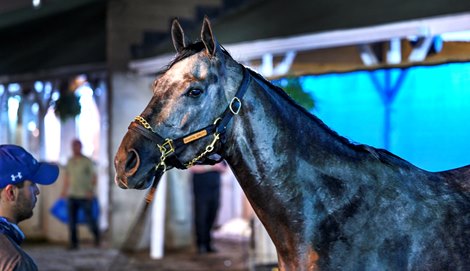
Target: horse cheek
184, 119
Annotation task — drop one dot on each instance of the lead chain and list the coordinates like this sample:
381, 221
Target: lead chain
209, 148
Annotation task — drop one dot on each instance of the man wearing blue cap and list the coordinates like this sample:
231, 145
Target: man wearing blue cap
20, 175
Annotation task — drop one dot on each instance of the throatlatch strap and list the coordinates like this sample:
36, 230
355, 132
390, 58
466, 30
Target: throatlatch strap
228, 114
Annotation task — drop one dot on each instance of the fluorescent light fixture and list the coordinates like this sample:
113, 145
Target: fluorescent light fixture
36, 3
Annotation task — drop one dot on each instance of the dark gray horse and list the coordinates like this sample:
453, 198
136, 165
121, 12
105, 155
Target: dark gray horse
327, 204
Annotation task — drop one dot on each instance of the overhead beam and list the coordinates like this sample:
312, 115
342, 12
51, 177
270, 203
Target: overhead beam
246, 51
97, 69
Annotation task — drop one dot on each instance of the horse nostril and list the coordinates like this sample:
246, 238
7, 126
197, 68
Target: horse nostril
132, 162
131, 159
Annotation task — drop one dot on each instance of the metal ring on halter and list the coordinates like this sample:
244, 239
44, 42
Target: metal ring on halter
161, 164
217, 120
235, 99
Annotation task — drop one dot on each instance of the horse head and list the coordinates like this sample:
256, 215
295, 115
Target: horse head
184, 123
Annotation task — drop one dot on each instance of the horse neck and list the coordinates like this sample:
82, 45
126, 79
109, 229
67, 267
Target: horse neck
272, 132
276, 148
295, 171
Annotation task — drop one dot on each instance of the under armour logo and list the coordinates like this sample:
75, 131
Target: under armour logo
13, 177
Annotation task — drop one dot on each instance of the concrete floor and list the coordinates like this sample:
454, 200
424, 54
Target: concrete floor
232, 255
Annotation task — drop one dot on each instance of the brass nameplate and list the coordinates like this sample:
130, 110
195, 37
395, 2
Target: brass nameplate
195, 136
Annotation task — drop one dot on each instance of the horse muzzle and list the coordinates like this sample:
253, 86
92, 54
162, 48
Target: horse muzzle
139, 183
131, 173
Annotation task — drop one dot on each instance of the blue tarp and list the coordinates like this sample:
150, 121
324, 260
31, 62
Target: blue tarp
430, 115
60, 211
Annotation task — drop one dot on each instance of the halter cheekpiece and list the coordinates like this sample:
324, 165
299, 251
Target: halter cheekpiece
170, 148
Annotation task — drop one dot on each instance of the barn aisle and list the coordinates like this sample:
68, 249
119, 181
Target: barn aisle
232, 255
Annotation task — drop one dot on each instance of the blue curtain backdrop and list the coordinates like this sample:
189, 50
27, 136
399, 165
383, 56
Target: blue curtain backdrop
429, 121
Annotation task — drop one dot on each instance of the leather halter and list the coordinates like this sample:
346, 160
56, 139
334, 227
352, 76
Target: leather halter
170, 148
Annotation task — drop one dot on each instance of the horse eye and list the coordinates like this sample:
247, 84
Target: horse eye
194, 92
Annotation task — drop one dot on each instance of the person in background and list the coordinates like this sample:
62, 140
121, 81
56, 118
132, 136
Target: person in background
20, 175
206, 191
79, 187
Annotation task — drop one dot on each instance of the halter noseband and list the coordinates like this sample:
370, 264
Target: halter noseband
170, 148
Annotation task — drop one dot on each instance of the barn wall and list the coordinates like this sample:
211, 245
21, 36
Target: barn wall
128, 19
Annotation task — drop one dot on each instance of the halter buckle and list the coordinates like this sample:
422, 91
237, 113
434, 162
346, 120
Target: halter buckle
166, 148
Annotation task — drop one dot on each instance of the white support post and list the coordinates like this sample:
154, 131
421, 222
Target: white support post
394, 51
421, 50
367, 55
157, 231
264, 251
283, 67
267, 65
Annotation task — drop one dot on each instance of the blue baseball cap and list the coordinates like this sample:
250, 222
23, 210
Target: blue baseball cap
18, 165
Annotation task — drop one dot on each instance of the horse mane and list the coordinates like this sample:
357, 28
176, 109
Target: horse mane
292, 102
380, 154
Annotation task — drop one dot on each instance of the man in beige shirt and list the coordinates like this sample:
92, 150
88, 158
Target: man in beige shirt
79, 186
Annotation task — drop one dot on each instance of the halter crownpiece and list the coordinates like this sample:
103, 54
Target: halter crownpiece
170, 148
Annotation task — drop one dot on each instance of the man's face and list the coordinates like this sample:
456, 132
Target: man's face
76, 147
27, 197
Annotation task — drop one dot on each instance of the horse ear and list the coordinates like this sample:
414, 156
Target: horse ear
207, 37
177, 35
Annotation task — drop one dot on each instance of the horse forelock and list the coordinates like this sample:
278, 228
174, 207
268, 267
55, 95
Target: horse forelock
188, 51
